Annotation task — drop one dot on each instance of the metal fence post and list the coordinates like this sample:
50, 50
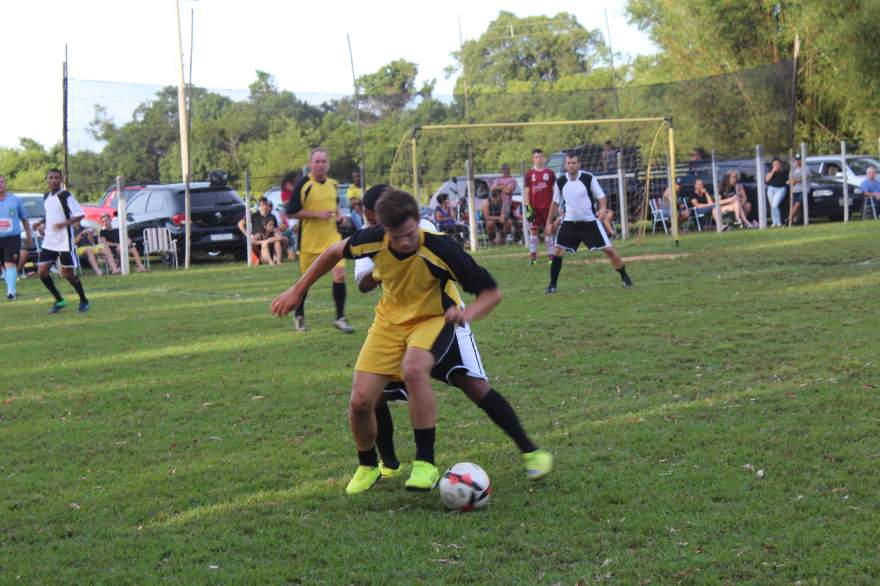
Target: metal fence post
805, 187
716, 196
122, 215
526, 228
844, 170
471, 203
621, 197
762, 188
248, 242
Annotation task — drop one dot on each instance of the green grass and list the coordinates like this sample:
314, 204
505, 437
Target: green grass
177, 433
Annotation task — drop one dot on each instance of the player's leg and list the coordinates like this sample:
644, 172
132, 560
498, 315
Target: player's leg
416, 367
366, 390
567, 239
46, 259
339, 298
389, 465
533, 242
10, 248
69, 263
618, 264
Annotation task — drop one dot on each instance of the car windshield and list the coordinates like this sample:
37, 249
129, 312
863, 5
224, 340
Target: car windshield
207, 199
34, 207
860, 166
129, 193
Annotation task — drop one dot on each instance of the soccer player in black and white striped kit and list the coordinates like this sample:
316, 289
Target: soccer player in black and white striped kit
582, 197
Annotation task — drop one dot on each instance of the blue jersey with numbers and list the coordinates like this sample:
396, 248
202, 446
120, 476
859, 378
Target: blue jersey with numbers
12, 212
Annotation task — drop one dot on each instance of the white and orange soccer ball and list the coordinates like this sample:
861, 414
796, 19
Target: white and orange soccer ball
465, 487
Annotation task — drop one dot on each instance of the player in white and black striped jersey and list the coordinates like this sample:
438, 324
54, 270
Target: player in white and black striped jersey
582, 197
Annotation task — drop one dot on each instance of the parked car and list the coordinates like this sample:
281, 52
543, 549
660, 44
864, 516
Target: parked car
33, 205
109, 203
825, 198
215, 210
829, 166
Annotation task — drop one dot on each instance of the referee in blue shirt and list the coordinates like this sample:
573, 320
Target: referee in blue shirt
13, 217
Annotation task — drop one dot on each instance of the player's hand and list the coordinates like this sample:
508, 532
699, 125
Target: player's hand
548, 229
456, 316
287, 302
326, 214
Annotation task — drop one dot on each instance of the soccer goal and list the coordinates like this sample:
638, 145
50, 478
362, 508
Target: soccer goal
633, 159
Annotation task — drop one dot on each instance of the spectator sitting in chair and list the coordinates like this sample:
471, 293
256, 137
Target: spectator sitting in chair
264, 213
109, 238
497, 226
269, 242
871, 186
668, 199
87, 248
734, 199
507, 185
444, 218
703, 203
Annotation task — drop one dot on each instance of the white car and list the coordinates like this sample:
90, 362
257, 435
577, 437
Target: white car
829, 166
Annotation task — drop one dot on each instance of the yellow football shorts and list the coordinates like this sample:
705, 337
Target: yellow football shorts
307, 258
383, 350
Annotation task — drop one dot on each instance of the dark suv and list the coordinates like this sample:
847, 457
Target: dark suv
215, 208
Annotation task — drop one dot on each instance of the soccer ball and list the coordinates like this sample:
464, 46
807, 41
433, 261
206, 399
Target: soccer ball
465, 487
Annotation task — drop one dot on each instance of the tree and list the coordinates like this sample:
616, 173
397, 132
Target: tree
392, 87
532, 49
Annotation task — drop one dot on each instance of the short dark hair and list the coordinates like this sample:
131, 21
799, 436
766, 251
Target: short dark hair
608, 143
571, 155
442, 198
372, 196
395, 207
263, 200
54, 170
291, 178
536, 151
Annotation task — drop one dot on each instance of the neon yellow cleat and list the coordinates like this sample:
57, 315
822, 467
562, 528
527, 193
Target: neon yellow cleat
538, 464
424, 476
363, 480
390, 472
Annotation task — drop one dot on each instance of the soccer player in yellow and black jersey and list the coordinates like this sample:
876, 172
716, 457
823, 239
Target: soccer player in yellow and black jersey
413, 327
314, 203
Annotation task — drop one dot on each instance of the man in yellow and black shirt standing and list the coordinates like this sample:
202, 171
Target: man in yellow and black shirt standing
413, 328
314, 203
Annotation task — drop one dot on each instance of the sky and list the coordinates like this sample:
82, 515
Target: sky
303, 45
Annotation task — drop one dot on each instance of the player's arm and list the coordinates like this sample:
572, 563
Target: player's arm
554, 208
290, 299
23, 217
599, 194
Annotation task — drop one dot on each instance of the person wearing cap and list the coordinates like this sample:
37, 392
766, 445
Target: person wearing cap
777, 180
799, 173
357, 213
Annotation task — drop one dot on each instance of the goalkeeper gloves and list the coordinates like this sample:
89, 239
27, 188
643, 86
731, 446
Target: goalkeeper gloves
530, 214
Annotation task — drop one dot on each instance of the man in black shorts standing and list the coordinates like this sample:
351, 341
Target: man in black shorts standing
62, 212
581, 195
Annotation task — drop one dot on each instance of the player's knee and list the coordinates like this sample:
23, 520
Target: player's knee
360, 405
415, 372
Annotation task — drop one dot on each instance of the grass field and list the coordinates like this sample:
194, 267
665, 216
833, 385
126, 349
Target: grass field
177, 433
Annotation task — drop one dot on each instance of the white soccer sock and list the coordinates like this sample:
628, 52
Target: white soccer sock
551, 245
533, 244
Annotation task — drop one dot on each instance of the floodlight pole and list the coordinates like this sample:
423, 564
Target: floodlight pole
64, 145
471, 203
122, 215
184, 141
357, 109
715, 194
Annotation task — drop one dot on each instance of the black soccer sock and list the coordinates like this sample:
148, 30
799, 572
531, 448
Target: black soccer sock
622, 271
385, 436
555, 268
50, 285
77, 285
503, 415
368, 457
425, 444
339, 299
300, 310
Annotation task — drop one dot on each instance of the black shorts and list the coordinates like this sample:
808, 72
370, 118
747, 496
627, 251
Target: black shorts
571, 234
10, 248
50, 256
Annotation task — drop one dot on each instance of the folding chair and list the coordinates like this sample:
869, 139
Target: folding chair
659, 214
159, 241
869, 206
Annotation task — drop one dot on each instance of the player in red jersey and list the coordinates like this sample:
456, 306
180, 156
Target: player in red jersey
537, 196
